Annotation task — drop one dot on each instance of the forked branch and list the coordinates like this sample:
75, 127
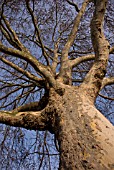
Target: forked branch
37, 31
73, 4
89, 57
34, 106
73, 32
38, 81
107, 81
27, 56
10, 34
65, 63
94, 78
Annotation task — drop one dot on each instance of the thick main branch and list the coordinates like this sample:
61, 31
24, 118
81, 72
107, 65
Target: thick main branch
94, 78
28, 120
65, 64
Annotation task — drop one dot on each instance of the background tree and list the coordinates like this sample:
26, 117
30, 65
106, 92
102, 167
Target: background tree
56, 66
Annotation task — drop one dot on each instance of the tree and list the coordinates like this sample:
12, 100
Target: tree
43, 49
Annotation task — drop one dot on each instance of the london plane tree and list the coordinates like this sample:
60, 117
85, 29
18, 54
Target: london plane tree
56, 58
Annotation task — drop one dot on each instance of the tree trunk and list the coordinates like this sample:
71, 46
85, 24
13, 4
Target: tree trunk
85, 136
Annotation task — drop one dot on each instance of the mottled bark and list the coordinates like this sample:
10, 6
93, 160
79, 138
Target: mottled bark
93, 80
85, 137
30, 120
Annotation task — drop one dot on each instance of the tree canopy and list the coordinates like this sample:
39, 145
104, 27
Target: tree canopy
42, 45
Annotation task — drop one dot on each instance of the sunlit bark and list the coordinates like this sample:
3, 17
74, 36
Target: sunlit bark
85, 137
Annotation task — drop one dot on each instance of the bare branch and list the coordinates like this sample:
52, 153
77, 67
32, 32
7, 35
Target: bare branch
80, 52
78, 60
9, 93
107, 81
39, 67
38, 81
65, 64
77, 80
10, 34
73, 32
55, 58
100, 44
73, 4
22, 95
37, 31
34, 106
56, 22
105, 97
94, 77
22, 51
28, 120
112, 50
